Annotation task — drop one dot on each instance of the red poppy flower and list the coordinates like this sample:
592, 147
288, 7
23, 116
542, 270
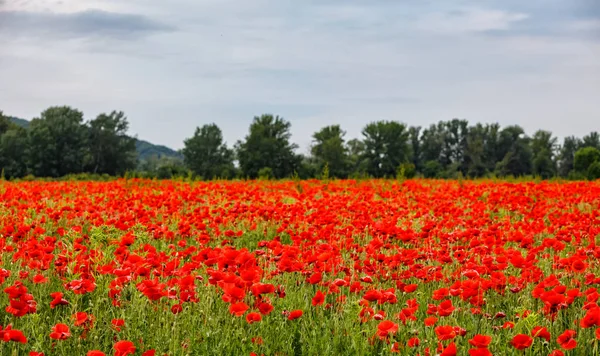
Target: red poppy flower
450, 350
591, 318
409, 288
480, 341
95, 353
445, 332
566, 340
60, 332
57, 300
10, 334
413, 342
253, 318
318, 299
445, 308
385, 328
521, 341
480, 352
124, 348
430, 320
118, 324
542, 332
238, 309
295, 314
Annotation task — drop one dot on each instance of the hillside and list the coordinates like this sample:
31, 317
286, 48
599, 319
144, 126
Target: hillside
144, 149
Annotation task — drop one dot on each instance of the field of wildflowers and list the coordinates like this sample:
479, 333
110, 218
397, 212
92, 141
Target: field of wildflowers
372, 267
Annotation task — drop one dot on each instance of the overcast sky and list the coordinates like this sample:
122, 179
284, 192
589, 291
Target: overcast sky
172, 65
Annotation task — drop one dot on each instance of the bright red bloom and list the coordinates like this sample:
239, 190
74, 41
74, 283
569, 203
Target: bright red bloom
430, 320
124, 348
95, 353
480, 352
385, 328
445, 332
238, 309
10, 334
295, 314
117, 324
521, 341
445, 308
58, 300
591, 318
480, 341
60, 332
542, 332
318, 299
413, 342
566, 340
450, 350
253, 318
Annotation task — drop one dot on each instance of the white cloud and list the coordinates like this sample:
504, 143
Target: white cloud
469, 20
315, 64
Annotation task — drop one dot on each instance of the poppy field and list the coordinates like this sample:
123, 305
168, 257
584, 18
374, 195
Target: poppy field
369, 267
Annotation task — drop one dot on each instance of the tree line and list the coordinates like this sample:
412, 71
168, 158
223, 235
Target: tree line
60, 143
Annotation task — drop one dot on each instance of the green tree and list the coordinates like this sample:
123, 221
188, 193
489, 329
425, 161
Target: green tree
58, 142
585, 157
593, 171
356, 152
543, 147
112, 151
268, 146
207, 155
566, 155
516, 152
432, 144
414, 134
13, 152
454, 146
386, 147
329, 150
474, 155
5, 123
492, 153
591, 140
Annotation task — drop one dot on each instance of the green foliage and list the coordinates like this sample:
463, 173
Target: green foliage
265, 173
566, 155
543, 147
584, 158
13, 148
432, 169
58, 143
268, 146
386, 147
593, 171
516, 152
206, 155
330, 151
406, 171
112, 151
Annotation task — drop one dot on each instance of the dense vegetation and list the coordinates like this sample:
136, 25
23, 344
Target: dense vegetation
59, 143
316, 267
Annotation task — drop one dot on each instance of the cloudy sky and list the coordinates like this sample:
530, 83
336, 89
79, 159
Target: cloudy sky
177, 64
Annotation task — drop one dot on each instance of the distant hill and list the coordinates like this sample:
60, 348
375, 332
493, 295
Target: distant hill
144, 149
20, 122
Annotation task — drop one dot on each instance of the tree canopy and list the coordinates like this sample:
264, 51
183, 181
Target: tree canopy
61, 142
